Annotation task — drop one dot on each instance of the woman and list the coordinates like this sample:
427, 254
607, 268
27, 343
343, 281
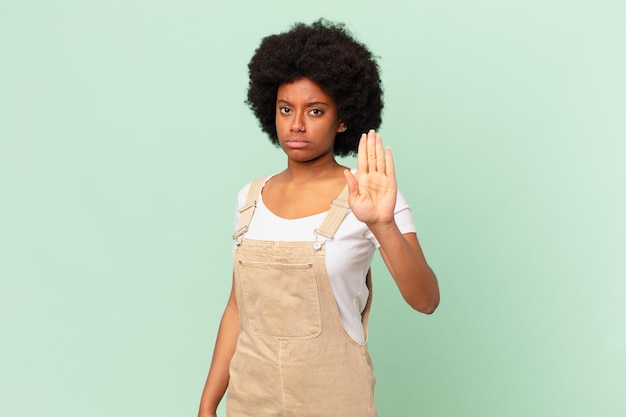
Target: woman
292, 338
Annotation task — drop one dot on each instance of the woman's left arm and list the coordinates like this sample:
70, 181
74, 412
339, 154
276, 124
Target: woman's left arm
373, 193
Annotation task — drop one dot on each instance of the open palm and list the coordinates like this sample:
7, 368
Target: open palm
373, 190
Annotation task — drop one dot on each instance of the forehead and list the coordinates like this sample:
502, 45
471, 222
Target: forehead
303, 90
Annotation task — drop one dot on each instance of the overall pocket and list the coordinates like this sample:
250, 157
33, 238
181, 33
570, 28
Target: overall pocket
281, 300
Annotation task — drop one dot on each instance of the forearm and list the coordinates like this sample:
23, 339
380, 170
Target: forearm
217, 380
406, 263
373, 196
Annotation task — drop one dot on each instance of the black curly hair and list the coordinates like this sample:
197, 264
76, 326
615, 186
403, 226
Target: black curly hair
327, 54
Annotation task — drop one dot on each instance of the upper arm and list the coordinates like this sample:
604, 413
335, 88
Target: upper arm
232, 299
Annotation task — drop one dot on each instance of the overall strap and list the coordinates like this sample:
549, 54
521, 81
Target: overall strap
338, 210
248, 208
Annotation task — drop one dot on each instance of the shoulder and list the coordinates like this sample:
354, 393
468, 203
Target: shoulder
242, 194
243, 191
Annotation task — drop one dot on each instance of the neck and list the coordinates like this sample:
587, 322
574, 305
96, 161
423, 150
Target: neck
319, 168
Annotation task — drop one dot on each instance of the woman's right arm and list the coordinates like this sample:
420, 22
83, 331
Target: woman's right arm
217, 381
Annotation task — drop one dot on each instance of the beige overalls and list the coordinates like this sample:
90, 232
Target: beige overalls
293, 356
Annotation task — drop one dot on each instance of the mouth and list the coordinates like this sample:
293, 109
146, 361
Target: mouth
296, 143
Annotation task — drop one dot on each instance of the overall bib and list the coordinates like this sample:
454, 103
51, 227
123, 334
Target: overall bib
293, 356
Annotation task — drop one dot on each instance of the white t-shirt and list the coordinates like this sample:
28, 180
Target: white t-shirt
348, 255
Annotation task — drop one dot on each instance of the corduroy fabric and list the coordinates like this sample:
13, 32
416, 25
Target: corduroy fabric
293, 356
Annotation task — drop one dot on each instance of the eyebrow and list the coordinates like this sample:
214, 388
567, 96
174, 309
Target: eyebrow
313, 103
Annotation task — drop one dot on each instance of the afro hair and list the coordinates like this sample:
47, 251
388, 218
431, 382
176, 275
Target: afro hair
327, 54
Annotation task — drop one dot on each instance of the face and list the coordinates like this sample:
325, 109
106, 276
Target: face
306, 120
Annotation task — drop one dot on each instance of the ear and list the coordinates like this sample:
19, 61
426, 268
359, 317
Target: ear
342, 127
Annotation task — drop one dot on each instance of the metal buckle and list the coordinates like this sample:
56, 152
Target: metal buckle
319, 241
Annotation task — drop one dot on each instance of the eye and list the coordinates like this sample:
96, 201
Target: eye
316, 112
284, 110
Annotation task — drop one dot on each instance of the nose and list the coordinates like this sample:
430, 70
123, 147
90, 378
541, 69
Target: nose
297, 122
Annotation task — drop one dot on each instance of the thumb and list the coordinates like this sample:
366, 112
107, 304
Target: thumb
353, 187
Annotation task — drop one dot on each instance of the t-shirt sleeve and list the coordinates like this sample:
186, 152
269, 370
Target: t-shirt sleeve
241, 200
403, 217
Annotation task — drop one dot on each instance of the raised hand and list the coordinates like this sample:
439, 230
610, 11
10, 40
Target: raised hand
373, 190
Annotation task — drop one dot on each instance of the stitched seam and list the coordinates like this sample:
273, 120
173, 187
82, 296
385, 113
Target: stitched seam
280, 367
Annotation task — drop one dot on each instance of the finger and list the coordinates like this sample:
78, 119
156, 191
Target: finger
391, 169
371, 151
361, 159
380, 155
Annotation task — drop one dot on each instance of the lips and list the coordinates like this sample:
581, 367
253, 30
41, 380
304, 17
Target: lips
296, 144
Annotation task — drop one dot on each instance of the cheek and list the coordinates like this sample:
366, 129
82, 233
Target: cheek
282, 129
279, 122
